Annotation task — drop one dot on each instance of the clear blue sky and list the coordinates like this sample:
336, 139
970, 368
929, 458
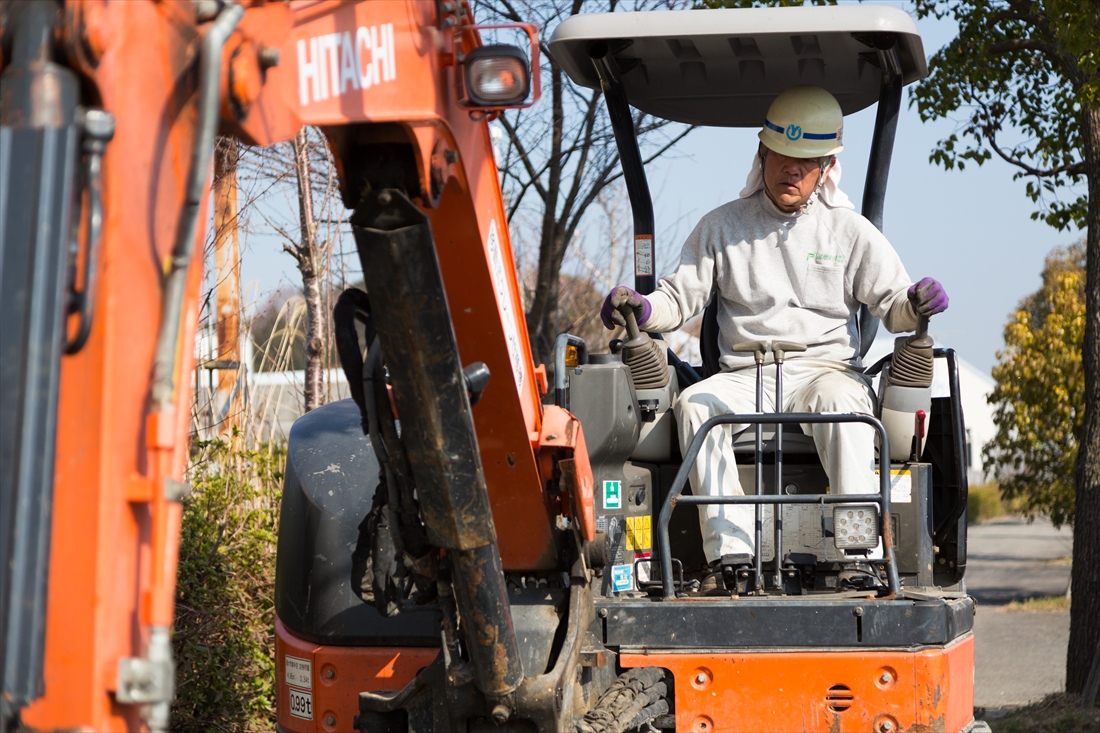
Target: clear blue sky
971, 230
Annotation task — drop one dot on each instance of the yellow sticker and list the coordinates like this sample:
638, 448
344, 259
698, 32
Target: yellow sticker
639, 534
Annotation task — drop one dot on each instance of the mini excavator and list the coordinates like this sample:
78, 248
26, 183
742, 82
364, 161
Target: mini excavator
461, 548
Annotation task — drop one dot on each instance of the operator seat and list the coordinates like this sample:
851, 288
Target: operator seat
794, 440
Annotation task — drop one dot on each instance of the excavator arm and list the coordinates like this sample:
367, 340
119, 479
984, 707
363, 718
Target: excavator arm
107, 122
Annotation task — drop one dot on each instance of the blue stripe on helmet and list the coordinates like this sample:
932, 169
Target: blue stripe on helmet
808, 135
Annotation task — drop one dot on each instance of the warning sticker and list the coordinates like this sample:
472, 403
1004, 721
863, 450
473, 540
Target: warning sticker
804, 531
299, 672
639, 533
622, 578
901, 486
612, 495
643, 254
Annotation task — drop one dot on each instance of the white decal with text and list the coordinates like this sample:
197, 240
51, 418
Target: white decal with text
504, 301
333, 64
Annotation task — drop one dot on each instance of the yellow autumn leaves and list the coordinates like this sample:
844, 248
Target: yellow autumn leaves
1040, 394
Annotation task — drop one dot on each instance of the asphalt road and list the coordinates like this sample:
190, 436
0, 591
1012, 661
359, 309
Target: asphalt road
1020, 656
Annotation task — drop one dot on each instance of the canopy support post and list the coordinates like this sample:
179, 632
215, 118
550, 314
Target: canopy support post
630, 157
878, 167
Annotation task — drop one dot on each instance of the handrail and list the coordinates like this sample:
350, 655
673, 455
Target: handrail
785, 418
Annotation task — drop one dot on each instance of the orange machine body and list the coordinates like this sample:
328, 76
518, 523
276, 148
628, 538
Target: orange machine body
884, 691
339, 64
818, 691
334, 676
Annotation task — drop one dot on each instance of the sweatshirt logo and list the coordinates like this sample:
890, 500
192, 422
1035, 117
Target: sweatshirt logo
838, 259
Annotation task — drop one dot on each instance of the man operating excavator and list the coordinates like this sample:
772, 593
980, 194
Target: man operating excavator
789, 260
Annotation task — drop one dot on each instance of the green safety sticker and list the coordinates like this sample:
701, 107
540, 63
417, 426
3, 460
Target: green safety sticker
612, 495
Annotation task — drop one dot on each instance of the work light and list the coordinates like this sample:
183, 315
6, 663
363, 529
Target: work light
497, 76
855, 526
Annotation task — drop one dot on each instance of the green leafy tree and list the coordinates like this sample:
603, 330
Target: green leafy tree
1040, 394
1022, 76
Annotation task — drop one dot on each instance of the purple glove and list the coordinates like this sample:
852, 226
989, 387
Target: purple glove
928, 297
619, 296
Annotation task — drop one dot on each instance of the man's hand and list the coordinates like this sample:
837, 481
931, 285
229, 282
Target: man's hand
928, 297
616, 299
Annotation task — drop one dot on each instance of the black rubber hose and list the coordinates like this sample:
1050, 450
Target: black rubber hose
165, 363
353, 305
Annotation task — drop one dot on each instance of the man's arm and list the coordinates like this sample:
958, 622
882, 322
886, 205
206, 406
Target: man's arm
881, 282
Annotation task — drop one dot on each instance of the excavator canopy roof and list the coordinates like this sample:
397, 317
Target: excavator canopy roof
724, 67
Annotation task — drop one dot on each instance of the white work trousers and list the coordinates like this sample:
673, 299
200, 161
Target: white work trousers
847, 451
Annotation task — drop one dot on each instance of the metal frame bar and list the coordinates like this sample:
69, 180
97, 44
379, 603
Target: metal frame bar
882, 141
882, 499
630, 157
878, 165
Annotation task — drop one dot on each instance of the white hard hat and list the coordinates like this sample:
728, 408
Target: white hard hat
804, 122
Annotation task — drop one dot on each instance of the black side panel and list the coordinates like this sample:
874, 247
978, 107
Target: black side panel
331, 474
784, 623
38, 157
948, 497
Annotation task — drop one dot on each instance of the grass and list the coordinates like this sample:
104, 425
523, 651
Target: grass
1057, 713
1048, 603
984, 502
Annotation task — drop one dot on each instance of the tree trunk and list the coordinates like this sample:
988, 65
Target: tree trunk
1084, 630
227, 297
309, 264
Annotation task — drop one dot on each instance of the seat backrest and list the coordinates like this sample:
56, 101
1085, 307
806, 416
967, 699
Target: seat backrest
708, 335
708, 338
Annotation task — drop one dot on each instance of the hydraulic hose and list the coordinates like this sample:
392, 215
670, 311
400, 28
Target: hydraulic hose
166, 359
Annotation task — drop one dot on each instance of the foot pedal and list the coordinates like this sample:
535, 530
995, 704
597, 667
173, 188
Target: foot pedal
799, 570
738, 573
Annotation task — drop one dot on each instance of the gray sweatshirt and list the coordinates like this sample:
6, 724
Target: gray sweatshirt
785, 277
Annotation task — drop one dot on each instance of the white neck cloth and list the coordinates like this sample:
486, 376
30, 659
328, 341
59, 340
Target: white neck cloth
830, 194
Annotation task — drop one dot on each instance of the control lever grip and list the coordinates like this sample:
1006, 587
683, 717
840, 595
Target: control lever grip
757, 348
632, 329
782, 348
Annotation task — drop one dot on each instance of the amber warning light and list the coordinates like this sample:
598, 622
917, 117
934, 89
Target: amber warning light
497, 76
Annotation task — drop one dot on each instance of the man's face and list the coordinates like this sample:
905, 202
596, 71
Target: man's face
789, 182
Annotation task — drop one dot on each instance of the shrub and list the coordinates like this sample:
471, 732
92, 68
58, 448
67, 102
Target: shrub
224, 640
984, 502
